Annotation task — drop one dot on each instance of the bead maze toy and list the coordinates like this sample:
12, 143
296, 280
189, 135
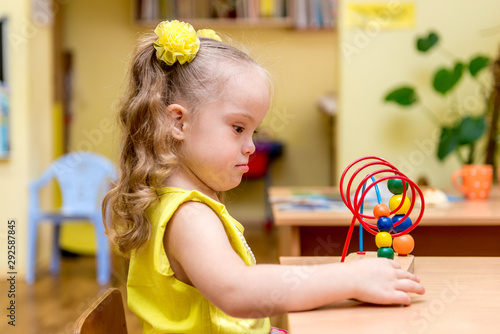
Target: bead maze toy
388, 231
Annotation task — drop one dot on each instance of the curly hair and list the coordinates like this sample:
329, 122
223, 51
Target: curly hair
149, 154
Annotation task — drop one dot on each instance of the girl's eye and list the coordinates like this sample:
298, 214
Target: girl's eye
238, 129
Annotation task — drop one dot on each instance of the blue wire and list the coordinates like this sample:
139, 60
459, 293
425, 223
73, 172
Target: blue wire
379, 200
361, 226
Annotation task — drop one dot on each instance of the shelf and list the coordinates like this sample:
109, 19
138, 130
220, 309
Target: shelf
298, 14
229, 22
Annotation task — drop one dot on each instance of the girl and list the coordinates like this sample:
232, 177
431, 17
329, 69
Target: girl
188, 119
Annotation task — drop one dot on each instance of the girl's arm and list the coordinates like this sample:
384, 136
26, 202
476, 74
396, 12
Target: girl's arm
201, 255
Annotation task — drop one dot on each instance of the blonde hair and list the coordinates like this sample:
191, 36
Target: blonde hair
149, 153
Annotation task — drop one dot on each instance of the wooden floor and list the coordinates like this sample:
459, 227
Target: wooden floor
53, 303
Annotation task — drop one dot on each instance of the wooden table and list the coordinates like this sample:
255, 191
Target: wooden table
473, 225
462, 296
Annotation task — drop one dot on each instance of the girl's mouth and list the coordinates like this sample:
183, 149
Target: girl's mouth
244, 168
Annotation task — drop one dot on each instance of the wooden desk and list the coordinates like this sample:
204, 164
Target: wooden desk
466, 227
462, 296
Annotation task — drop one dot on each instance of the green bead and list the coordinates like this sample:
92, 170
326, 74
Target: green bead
396, 186
386, 252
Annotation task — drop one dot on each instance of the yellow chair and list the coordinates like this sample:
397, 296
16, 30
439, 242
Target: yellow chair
105, 316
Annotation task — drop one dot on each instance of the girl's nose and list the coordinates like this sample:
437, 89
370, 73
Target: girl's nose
249, 147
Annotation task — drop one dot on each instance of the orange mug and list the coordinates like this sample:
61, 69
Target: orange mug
476, 180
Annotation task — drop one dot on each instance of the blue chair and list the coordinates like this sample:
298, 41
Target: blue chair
83, 179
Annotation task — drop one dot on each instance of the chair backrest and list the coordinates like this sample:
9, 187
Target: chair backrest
105, 316
83, 178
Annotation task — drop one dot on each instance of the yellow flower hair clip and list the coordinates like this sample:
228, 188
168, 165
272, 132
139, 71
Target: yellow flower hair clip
208, 33
178, 41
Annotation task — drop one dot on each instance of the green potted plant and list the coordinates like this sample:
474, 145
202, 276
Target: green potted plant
461, 131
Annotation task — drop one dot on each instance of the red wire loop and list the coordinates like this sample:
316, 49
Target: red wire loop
359, 198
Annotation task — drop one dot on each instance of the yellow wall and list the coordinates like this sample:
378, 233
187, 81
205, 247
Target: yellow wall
305, 65
101, 36
29, 58
373, 62
304, 68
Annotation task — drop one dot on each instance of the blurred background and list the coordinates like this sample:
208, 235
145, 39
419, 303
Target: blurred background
332, 63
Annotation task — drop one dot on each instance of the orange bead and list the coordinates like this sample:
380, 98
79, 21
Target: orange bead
403, 245
381, 210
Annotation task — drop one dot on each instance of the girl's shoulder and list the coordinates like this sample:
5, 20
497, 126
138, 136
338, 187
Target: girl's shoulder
195, 211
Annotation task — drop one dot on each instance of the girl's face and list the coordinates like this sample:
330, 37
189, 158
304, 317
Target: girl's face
217, 142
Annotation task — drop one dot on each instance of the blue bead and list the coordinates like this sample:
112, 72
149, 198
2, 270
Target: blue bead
384, 224
403, 226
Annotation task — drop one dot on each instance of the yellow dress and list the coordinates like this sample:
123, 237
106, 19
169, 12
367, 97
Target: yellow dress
164, 304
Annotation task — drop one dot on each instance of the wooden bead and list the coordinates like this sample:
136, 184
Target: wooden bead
394, 203
395, 186
383, 239
403, 245
386, 252
403, 225
381, 210
384, 224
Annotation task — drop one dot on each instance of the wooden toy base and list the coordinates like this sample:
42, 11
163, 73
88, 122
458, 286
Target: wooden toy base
407, 262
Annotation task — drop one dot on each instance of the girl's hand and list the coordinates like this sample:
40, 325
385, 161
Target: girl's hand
382, 281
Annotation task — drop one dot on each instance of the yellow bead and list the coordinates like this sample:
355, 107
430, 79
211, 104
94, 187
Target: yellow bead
396, 200
383, 239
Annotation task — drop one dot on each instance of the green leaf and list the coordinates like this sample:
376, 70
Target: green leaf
404, 96
477, 64
465, 132
424, 44
448, 142
445, 80
470, 129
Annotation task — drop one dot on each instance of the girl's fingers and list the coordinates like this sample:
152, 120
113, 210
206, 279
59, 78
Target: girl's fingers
403, 274
401, 297
395, 264
408, 285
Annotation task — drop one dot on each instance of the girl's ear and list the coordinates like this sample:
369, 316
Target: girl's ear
178, 114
